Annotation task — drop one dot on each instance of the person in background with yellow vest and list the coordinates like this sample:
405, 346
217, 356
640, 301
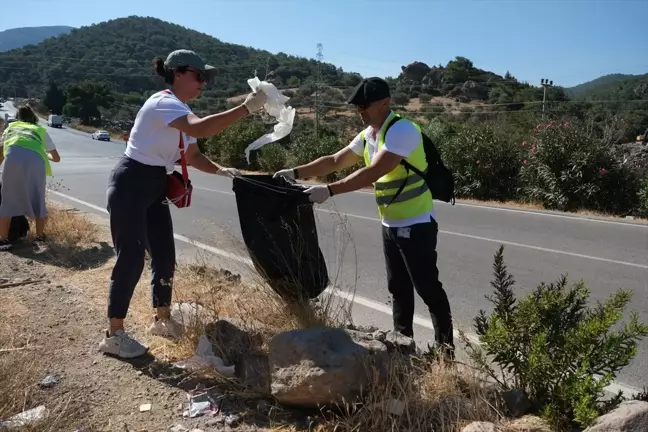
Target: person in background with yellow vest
27, 150
409, 225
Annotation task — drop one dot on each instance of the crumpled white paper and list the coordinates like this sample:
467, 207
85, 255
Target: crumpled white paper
205, 357
277, 108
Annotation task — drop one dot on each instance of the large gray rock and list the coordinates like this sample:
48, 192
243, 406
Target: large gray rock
190, 315
323, 366
629, 416
415, 71
396, 342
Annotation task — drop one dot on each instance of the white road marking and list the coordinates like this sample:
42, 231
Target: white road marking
488, 239
379, 307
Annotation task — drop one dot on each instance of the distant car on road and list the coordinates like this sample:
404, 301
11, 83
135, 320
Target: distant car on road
101, 135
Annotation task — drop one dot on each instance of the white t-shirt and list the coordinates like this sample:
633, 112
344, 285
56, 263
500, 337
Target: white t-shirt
152, 141
401, 139
49, 144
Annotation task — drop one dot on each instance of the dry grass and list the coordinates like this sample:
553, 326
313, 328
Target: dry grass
20, 371
71, 240
432, 396
435, 396
23, 364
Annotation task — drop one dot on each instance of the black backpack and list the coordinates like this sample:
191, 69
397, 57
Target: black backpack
438, 178
19, 225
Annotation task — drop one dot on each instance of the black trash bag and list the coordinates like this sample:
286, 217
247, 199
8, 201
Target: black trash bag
279, 231
18, 227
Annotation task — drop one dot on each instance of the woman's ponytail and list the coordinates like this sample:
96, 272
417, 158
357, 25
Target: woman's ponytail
158, 67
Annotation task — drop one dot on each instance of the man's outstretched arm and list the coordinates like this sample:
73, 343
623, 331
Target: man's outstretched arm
324, 165
383, 162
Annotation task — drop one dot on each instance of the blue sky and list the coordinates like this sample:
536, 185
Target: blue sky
567, 41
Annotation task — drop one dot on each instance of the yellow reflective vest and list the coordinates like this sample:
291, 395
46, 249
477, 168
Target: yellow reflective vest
415, 198
28, 135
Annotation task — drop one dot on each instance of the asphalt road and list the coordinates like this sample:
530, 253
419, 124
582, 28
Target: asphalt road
539, 246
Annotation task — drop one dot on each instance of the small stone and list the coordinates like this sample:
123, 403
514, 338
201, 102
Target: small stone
480, 427
232, 420
178, 428
49, 381
214, 422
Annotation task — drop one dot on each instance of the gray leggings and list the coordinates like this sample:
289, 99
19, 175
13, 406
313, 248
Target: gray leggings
139, 221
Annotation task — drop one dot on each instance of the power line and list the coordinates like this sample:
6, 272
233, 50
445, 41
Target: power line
318, 82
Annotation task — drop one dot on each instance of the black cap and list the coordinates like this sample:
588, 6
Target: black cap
369, 90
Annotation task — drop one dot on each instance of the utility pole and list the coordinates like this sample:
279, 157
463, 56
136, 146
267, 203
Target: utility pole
318, 80
545, 83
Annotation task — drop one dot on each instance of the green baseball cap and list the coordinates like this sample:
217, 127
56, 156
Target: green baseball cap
183, 57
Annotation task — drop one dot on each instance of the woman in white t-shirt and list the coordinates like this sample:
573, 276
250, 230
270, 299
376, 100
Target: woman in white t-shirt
139, 218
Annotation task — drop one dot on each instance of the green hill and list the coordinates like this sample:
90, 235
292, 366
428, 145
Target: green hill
625, 88
22, 36
119, 52
581, 91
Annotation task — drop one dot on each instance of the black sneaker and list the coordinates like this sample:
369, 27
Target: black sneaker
5, 245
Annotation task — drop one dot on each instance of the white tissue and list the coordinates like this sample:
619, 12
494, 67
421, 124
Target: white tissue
277, 108
205, 357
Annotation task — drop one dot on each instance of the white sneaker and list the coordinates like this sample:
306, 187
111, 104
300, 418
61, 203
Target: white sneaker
166, 328
123, 345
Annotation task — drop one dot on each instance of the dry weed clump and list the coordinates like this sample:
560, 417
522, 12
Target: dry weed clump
70, 238
419, 396
251, 305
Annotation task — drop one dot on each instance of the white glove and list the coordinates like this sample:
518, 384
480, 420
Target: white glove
318, 194
229, 172
255, 101
288, 173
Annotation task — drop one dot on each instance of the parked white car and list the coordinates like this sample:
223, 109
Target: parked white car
101, 135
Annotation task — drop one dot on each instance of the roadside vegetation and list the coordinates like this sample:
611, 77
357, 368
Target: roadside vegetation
552, 347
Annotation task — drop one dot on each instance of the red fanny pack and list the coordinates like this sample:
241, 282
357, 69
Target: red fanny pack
178, 186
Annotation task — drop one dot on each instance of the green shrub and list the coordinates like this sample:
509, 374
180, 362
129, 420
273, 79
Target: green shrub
306, 148
554, 348
566, 167
228, 147
485, 163
272, 158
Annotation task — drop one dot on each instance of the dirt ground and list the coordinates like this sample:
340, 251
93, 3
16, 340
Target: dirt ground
52, 309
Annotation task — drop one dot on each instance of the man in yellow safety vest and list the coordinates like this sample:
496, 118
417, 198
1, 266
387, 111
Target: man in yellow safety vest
404, 201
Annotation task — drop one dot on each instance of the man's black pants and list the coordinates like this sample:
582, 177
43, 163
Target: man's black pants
411, 259
139, 221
